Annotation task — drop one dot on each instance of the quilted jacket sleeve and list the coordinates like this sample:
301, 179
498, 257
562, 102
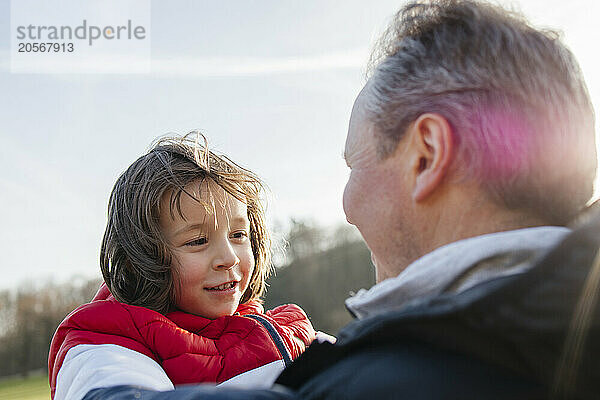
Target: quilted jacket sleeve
293, 324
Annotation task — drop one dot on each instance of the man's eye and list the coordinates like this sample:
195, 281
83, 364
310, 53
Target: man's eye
197, 242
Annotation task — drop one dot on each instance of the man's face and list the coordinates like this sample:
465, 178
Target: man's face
375, 197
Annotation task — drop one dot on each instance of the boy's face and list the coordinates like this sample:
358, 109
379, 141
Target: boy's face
212, 251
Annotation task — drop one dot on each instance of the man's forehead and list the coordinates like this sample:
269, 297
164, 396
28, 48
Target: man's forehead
360, 129
358, 109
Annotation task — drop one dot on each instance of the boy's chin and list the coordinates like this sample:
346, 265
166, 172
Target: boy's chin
211, 309
218, 312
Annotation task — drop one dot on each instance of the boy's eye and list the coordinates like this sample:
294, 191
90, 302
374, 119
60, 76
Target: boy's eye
239, 235
197, 242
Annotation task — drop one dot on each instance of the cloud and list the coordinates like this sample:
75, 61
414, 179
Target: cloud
4, 60
244, 66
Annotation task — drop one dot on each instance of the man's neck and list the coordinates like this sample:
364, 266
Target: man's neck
456, 212
470, 218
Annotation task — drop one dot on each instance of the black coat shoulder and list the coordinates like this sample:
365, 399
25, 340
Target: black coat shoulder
412, 371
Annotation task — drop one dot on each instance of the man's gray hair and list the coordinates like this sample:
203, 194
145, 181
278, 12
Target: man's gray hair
514, 96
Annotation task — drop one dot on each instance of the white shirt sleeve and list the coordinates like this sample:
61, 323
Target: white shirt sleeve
258, 378
88, 367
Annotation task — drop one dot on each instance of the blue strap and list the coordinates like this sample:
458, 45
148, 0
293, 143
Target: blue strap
285, 354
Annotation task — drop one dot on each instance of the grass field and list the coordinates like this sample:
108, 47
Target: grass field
31, 388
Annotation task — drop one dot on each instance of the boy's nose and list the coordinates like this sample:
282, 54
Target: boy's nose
226, 257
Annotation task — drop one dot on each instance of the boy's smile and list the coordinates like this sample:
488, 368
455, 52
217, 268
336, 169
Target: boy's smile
213, 259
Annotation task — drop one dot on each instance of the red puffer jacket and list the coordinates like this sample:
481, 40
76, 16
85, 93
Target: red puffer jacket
190, 349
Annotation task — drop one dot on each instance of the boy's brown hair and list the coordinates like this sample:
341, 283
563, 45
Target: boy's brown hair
135, 258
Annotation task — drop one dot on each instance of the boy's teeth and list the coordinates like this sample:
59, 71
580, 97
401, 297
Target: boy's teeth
223, 286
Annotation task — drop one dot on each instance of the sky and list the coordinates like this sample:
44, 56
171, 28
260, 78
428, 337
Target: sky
270, 83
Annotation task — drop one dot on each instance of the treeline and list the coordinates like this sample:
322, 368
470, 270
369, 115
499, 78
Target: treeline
30, 315
318, 270
323, 269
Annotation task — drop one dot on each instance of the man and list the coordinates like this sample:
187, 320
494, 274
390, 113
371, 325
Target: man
471, 147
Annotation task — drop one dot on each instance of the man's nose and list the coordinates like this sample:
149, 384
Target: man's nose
226, 256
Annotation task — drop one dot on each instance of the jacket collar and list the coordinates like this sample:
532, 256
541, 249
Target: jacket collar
431, 274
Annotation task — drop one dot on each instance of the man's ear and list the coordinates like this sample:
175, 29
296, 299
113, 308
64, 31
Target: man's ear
432, 152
